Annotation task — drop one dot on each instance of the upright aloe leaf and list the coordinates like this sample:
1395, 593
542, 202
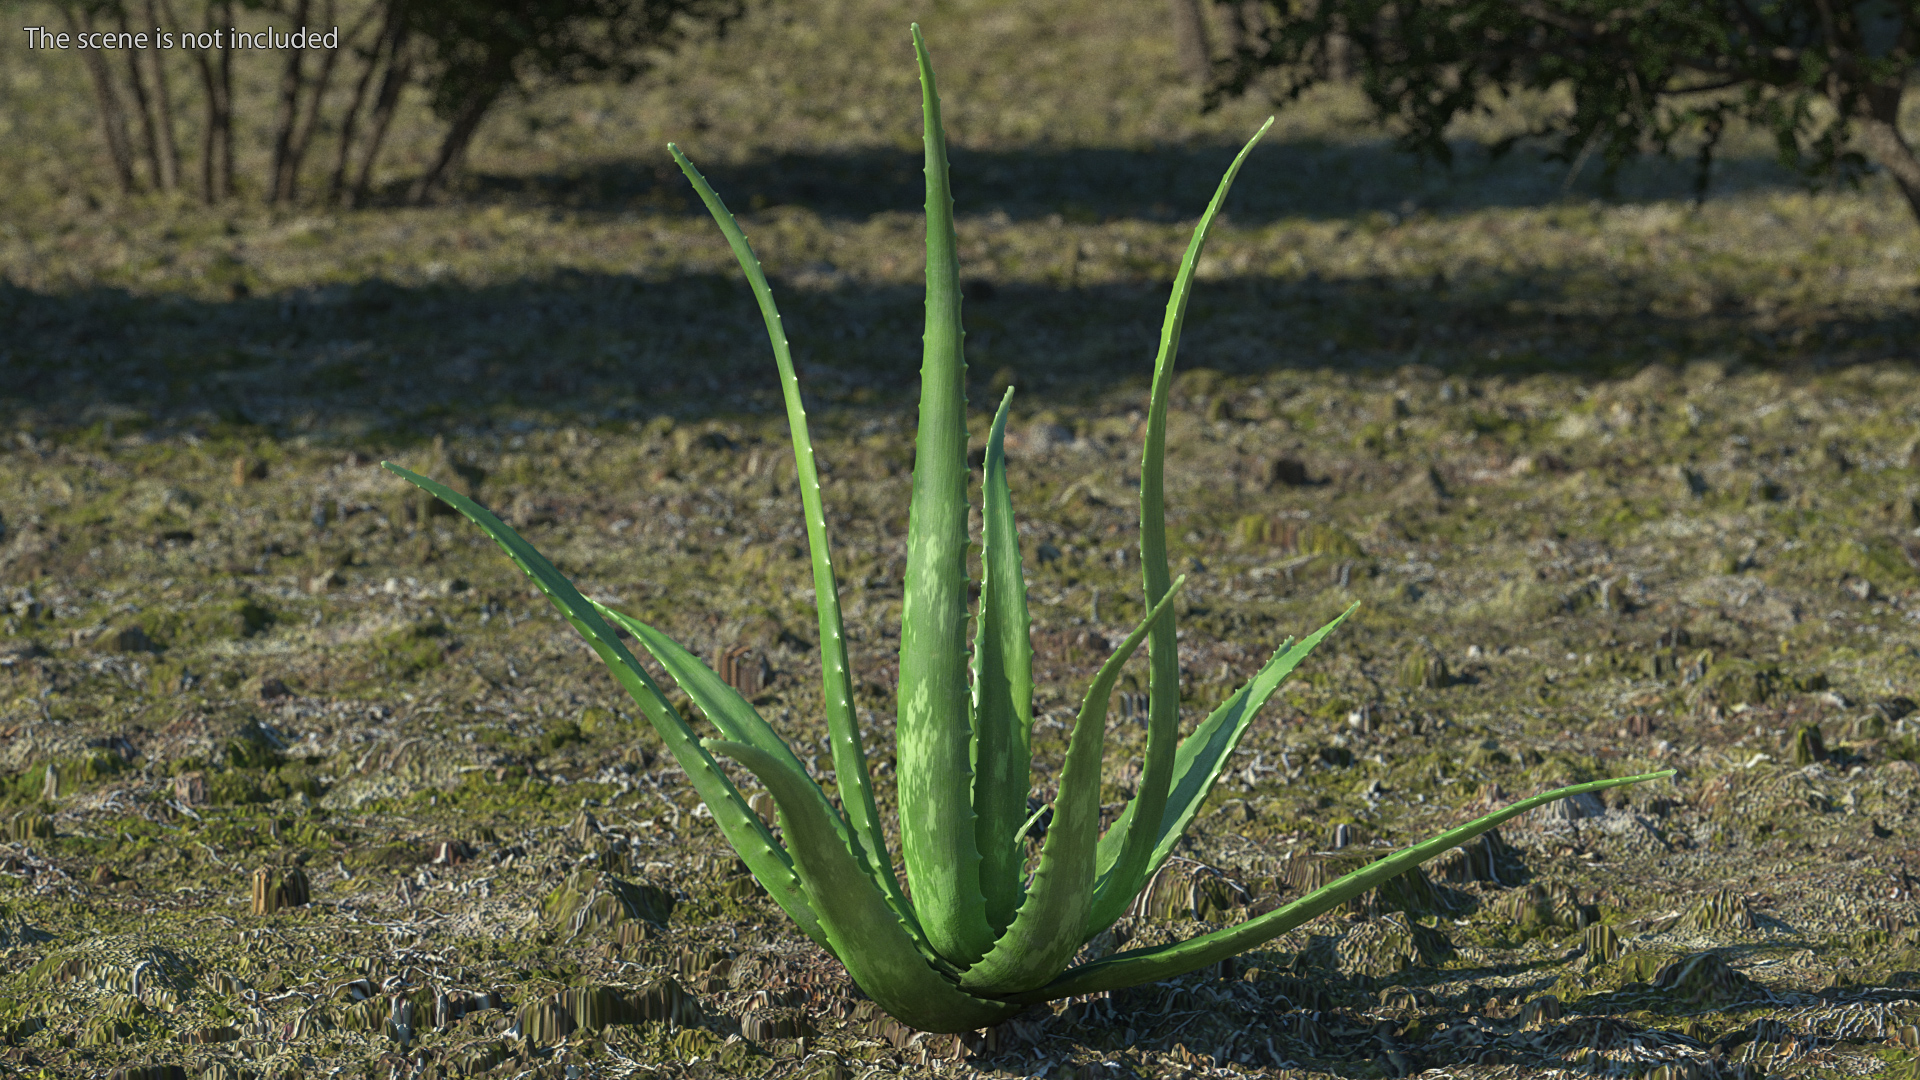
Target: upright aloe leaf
1163, 686
737, 720
937, 832
836, 679
1195, 767
1002, 688
1041, 942
866, 934
973, 945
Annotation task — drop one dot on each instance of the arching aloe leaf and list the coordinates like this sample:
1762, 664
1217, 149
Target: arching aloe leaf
974, 946
741, 826
866, 934
836, 679
738, 721
1196, 766
1163, 681
1002, 687
1034, 949
1139, 966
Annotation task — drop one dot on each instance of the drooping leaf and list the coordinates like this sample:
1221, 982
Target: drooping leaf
1196, 765
739, 722
836, 678
741, 826
937, 833
1163, 680
1002, 687
868, 936
1040, 941
1137, 966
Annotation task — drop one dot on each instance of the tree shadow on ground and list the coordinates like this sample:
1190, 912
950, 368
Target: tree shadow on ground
1310, 179
403, 360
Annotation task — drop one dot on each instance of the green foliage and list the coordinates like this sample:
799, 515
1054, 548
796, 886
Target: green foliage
1807, 745
980, 938
252, 750
25, 789
239, 787
561, 734
1422, 669
467, 56
1737, 680
475, 53
301, 778
412, 649
1821, 78
595, 721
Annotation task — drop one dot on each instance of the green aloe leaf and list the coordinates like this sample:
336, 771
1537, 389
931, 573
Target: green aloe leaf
742, 827
836, 678
722, 704
1002, 688
1139, 966
1196, 765
876, 947
937, 832
1034, 949
976, 944
1163, 683
739, 722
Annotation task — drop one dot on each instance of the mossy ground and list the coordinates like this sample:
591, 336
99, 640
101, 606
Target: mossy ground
1621, 485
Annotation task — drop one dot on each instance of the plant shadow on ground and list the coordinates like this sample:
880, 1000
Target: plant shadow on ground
1330, 1023
1310, 178
380, 355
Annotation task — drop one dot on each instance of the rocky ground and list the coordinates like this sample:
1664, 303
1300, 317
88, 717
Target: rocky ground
302, 779
243, 679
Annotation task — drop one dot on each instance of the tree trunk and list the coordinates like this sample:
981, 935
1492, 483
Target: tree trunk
292, 81
210, 192
205, 68
226, 104
113, 121
1337, 49
137, 84
216, 78
163, 102
337, 183
1190, 38
1879, 127
453, 148
310, 118
391, 84
216, 81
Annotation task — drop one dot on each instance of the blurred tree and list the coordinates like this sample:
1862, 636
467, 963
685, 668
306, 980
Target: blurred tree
86, 18
216, 85
1192, 40
465, 54
475, 51
1825, 77
390, 57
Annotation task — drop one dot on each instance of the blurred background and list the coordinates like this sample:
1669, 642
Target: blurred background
472, 203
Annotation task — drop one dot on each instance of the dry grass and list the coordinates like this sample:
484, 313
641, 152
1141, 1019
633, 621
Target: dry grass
1621, 482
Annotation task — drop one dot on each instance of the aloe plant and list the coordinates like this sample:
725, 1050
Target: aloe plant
979, 940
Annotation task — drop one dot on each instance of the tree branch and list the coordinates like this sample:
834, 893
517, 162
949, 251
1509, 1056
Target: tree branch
292, 81
337, 184
163, 105
113, 120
